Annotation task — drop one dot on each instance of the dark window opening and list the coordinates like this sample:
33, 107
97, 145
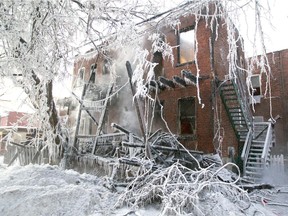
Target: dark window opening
186, 46
187, 116
93, 72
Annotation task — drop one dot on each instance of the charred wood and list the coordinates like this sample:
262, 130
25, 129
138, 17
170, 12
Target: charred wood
129, 70
156, 133
120, 128
133, 145
178, 80
166, 82
252, 187
165, 148
189, 76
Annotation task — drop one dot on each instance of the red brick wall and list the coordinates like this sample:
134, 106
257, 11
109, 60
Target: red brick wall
204, 116
12, 118
279, 98
4, 120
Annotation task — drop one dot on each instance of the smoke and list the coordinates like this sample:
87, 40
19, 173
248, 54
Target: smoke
122, 109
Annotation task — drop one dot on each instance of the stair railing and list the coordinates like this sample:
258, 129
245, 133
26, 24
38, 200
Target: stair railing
241, 91
267, 143
246, 149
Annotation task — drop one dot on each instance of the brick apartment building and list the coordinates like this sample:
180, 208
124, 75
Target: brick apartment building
278, 62
221, 122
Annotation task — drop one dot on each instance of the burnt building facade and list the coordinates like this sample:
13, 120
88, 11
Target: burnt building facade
199, 98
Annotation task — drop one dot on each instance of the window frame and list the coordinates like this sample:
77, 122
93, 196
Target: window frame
193, 118
189, 28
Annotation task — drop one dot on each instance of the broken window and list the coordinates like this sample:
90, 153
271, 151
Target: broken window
187, 116
186, 45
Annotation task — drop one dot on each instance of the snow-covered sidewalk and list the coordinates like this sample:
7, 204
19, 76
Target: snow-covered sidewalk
49, 190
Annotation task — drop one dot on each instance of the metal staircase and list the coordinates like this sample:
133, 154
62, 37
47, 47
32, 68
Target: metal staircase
235, 109
255, 139
256, 153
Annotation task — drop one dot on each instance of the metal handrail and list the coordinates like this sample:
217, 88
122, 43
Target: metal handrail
244, 102
267, 142
247, 144
246, 149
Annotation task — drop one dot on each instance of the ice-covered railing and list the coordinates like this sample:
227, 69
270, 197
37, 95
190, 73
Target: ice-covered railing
246, 148
268, 141
241, 89
95, 104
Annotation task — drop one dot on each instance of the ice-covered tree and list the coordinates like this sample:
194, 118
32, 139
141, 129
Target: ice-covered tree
38, 38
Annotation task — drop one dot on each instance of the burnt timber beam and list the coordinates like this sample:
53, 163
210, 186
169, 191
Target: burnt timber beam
114, 125
178, 80
157, 84
129, 70
120, 128
166, 82
189, 76
147, 148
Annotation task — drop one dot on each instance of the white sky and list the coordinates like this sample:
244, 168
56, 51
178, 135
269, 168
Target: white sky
274, 27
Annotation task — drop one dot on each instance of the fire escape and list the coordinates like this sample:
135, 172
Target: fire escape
255, 138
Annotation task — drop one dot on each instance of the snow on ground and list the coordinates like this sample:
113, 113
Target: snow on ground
49, 190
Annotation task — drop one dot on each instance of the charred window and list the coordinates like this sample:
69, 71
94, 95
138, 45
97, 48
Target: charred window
186, 45
187, 116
